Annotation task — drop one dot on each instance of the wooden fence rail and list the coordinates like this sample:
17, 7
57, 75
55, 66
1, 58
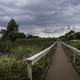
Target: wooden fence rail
35, 58
73, 54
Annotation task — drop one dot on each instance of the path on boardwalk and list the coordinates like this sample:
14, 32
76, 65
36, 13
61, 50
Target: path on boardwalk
61, 68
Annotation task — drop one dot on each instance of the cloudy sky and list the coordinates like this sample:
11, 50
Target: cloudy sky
46, 18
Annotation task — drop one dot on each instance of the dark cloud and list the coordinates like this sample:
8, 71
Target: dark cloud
42, 17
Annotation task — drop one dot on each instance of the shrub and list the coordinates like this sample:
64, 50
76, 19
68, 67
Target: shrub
12, 69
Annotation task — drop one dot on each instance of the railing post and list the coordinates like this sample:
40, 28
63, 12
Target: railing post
74, 58
29, 69
32, 60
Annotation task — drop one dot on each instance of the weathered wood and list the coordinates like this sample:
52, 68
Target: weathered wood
29, 68
32, 60
76, 51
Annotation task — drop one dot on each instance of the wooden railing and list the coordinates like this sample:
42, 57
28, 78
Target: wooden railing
35, 58
73, 54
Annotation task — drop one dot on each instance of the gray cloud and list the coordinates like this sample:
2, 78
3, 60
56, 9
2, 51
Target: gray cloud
42, 17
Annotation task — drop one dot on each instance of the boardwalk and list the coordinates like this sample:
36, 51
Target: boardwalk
61, 68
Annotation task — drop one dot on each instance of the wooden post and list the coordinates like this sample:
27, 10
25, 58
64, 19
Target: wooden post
32, 60
29, 68
74, 56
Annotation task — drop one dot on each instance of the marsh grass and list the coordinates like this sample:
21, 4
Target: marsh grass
12, 69
12, 64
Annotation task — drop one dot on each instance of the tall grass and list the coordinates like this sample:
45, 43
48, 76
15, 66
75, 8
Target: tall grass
12, 69
12, 64
75, 44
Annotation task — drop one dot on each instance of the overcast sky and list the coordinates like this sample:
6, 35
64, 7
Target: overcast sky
45, 18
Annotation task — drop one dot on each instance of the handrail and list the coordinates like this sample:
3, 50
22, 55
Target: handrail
39, 55
32, 60
74, 56
77, 52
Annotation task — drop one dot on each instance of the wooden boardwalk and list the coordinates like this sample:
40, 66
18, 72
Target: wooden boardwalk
61, 68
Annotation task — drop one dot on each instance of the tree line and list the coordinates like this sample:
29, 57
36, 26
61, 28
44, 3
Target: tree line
12, 32
71, 35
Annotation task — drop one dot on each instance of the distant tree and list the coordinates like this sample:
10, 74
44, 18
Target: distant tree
31, 36
20, 35
11, 31
3, 31
77, 35
69, 35
12, 26
12, 36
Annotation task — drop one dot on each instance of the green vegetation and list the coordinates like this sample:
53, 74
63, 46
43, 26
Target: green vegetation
12, 64
12, 69
71, 35
72, 38
74, 43
42, 65
14, 48
12, 31
24, 46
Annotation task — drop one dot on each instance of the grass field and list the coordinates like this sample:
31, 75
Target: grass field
74, 43
12, 64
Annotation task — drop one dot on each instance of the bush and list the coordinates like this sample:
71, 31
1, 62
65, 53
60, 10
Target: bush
12, 65
22, 51
12, 69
